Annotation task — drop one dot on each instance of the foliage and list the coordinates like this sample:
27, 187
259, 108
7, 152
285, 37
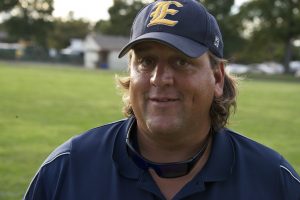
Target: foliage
229, 24
44, 105
31, 21
219, 9
277, 22
23, 28
6, 5
64, 30
260, 48
262, 30
122, 14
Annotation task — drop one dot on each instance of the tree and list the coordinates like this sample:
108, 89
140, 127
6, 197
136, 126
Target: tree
229, 24
6, 5
275, 21
122, 14
31, 21
219, 9
64, 30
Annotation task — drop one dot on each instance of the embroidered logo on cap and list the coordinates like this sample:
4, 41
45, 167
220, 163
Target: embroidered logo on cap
161, 11
217, 41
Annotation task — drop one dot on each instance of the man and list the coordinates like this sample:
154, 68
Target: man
173, 145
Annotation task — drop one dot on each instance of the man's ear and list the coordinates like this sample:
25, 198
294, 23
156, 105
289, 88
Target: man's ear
219, 74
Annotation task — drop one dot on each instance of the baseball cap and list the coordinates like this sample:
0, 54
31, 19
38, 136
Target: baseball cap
185, 25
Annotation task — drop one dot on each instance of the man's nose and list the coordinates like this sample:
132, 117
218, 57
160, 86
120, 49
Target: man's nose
163, 75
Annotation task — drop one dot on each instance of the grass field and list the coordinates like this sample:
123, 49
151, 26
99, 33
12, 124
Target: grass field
42, 106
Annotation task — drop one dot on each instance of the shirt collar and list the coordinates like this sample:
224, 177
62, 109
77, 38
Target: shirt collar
218, 167
120, 156
220, 163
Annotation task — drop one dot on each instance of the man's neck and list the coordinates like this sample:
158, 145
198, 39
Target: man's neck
164, 150
170, 187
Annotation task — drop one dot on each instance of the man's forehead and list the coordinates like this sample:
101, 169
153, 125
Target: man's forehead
147, 46
153, 48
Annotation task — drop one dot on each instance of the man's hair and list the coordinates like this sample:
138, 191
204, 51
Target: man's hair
221, 106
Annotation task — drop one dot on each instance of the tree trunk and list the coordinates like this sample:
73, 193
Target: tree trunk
287, 55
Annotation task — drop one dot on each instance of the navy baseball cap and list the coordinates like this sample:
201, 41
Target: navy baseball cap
183, 24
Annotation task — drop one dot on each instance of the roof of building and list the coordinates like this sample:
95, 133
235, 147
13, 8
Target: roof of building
108, 42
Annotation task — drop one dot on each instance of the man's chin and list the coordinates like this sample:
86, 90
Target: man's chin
163, 125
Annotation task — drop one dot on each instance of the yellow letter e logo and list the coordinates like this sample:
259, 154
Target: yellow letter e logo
161, 11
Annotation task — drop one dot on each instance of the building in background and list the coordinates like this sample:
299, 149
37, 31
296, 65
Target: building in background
75, 48
101, 51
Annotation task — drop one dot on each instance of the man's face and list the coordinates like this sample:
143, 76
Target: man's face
171, 93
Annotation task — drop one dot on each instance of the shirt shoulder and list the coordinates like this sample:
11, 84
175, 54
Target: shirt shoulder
266, 165
290, 180
86, 140
52, 173
251, 149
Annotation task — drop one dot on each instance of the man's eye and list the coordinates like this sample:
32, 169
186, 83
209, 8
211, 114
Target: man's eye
181, 62
146, 62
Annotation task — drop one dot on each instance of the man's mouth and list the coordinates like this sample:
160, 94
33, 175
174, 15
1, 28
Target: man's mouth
164, 99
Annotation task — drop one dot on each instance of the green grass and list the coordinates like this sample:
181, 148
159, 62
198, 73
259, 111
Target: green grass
269, 112
41, 106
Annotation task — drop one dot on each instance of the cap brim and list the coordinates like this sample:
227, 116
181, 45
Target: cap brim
188, 47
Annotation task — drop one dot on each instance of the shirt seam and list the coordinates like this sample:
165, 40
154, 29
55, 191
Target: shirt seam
44, 164
285, 168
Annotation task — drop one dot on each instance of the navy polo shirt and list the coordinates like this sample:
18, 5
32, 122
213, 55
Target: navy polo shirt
95, 165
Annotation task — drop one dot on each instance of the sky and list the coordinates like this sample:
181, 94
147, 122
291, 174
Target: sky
92, 10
